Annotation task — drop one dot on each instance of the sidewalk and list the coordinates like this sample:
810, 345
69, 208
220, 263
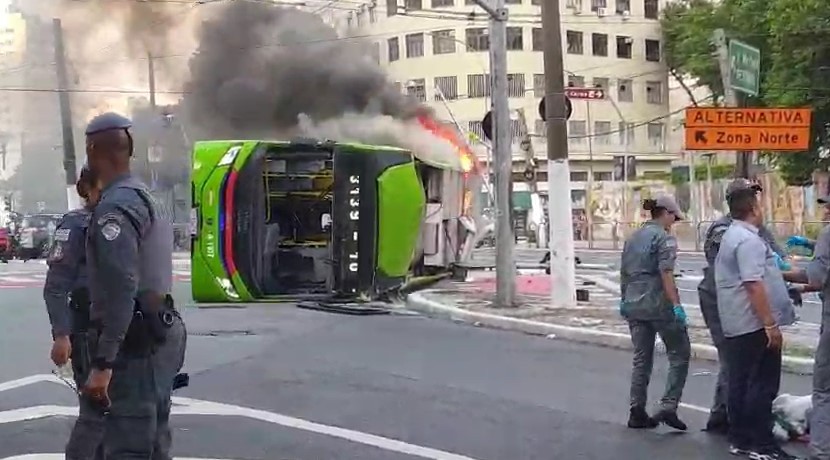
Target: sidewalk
595, 322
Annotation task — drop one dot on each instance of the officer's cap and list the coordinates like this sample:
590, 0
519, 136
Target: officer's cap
668, 203
106, 122
742, 184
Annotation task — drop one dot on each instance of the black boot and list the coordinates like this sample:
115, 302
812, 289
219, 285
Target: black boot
718, 423
669, 417
639, 419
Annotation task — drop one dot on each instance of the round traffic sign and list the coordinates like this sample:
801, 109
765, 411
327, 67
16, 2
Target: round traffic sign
487, 125
568, 109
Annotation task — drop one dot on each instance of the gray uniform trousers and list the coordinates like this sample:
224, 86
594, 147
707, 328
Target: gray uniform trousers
137, 425
676, 339
709, 309
85, 441
820, 415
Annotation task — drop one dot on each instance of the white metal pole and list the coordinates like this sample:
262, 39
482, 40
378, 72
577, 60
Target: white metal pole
589, 215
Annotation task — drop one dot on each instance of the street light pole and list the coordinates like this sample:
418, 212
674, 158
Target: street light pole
503, 158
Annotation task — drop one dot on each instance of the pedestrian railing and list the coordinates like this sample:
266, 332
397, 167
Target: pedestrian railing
690, 235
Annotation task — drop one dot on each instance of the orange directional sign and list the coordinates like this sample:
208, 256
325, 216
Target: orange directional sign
747, 129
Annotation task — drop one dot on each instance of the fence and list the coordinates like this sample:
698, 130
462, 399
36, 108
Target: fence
690, 235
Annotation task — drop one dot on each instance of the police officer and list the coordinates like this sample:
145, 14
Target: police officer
651, 304
67, 302
718, 420
140, 336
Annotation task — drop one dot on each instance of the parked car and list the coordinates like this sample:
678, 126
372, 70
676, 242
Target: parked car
6, 246
36, 233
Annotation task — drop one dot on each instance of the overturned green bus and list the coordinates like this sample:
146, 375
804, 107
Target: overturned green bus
276, 219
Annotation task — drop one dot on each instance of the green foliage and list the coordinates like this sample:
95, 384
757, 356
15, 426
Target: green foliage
794, 39
719, 171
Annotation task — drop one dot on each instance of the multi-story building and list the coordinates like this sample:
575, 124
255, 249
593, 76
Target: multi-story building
437, 50
12, 53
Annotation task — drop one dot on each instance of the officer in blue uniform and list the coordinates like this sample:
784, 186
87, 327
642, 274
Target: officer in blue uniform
67, 302
140, 337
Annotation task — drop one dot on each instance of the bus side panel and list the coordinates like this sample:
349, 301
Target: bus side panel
401, 204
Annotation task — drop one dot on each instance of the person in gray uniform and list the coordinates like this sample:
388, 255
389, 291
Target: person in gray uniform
67, 302
139, 335
650, 303
707, 293
815, 278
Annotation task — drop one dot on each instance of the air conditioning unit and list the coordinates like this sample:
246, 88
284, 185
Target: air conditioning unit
629, 40
601, 12
626, 15
577, 12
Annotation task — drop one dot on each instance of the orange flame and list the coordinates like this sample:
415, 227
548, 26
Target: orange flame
450, 134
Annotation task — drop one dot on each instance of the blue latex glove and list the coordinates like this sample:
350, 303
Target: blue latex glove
798, 240
783, 265
680, 314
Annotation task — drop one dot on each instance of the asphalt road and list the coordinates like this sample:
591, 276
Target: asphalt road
280, 383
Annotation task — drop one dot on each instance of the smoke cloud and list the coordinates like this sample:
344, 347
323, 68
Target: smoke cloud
259, 70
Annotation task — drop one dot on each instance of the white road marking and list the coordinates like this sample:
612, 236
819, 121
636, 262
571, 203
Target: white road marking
188, 406
695, 408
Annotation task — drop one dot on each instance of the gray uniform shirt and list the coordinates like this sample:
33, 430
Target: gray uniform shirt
130, 250
646, 254
818, 268
711, 245
67, 268
744, 256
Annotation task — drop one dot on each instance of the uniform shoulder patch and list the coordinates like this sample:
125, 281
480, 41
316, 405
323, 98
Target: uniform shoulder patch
116, 217
110, 230
62, 234
671, 242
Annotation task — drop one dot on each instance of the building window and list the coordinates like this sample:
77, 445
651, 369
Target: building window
516, 85
652, 10
602, 131
541, 128
372, 17
626, 134
448, 87
654, 92
414, 45
417, 88
516, 131
442, 3
653, 50
624, 91
515, 40
478, 85
574, 42
443, 42
579, 176
513, 2
475, 128
376, 52
538, 85
394, 49
597, 4
575, 5
601, 82
413, 5
477, 39
391, 7
624, 47
577, 132
599, 44
601, 176
538, 39
623, 6
576, 81
655, 134
535, 2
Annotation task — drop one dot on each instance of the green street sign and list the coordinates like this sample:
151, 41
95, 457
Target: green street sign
744, 67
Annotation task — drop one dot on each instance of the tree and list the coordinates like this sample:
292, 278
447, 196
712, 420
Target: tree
792, 36
40, 178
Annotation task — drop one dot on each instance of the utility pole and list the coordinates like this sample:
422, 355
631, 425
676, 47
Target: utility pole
562, 266
151, 77
730, 96
66, 116
503, 158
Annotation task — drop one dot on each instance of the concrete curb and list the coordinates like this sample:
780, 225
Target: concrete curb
417, 302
